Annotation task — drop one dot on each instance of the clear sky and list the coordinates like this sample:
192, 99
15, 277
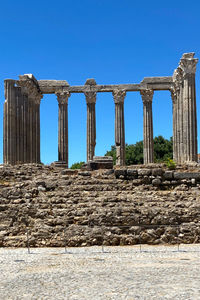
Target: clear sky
119, 41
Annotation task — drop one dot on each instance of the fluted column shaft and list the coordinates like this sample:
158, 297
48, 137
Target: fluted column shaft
147, 97
189, 114
29, 125
176, 94
119, 96
5, 132
91, 124
174, 112
63, 126
34, 130
10, 122
175, 119
37, 129
25, 151
31, 134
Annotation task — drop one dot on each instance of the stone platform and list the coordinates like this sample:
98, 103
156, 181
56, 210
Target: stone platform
59, 207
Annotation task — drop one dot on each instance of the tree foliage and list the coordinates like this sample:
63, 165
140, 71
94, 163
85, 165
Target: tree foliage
163, 149
77, 165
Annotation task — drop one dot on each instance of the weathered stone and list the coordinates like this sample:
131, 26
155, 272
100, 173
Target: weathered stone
99, 162
157, 172
132, 173
168, 175
41, 188
119, 96
96, 205
120, 172
156, 181
91, 121
69, 172
187, 175
59, 164
147, 97
193, 181
84, 173
142, 172
62, 97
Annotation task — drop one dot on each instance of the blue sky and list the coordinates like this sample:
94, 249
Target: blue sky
111, 41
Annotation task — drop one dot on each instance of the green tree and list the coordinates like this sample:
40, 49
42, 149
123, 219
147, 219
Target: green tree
77, 165
112, 153
134, 154
163, 149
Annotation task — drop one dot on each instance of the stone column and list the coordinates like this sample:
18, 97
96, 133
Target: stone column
176, 93
188, 67
30, 118
91, 124
19, 124
37, 127
119, 96
32, 127
174, 112
147, 97
26, 153
5, 132
9, 122
62, 97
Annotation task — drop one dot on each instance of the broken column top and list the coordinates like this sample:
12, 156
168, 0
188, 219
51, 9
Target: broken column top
188, 55
90, 81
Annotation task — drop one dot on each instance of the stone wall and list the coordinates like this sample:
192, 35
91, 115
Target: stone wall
62, 207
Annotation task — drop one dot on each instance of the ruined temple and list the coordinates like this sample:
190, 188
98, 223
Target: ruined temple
22, 114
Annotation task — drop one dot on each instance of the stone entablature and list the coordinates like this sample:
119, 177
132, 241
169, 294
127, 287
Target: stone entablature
155, 83
22, 114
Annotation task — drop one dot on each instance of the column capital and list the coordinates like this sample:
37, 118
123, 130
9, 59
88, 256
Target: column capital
30, 88
38, 99
90, 97
147, 95
188, 63
173, 91
119, 96
178, 78
62, 97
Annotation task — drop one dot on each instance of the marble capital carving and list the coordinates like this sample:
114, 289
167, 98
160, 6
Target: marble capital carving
30, 88
90, 97
119, 96
188, 65
147, 95
173, 91
38, 99
62, 97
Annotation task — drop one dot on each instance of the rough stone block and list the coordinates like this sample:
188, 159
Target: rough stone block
109, 172
84, 173
143, 172
69, 172
157, 172
120, 172
156, 181
59, 164
100, 162
102, 158
132, 173
187, 175
168, 175
96, 165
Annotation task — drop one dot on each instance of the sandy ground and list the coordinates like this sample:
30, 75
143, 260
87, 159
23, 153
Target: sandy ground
155, 272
